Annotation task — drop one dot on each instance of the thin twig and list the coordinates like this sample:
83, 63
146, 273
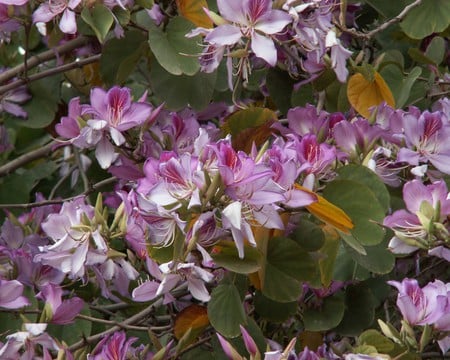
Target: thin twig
43, 57
129, 321
53, 71
128, 327
383, 26
92, 188
26, 158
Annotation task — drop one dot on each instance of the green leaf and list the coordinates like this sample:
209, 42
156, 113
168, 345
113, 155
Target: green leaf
365, 176
273, 310
436, 50
99, 18
359, 310
43, 106
377, 340
351, 241
400, 86
388, 8
16, 188
284, 254
348, 269
226, 255
308, 235
280, 85
173, 50
378, 258
225, 310
328, 316
121, 55
431, 16
180, 91
327, 259
361, 205
283, 271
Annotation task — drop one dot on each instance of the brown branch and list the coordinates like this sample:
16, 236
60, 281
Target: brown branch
26, 158
130, 321
383, 26
43, 74
92, 188
43, 57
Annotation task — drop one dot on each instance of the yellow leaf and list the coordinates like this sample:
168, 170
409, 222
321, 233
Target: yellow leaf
193, 11
194, 316
363, 94
328, 213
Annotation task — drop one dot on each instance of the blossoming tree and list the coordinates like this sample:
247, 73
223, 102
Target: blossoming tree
241, 179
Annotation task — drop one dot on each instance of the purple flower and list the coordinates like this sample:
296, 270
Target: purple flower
74, 248
112, 112
170, 275
28, 343
420, 306
426, 205
49, 10
426, 139
115, 346
251, 19
315, 157
59, 311
339, 56
357, 137
11, 294
10, 100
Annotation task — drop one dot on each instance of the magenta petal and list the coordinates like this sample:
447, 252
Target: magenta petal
104, 152
43, 13
67, 311
14, 109
264, 48
146, 291
224, 35
14, 2
11, 295
68, 24
414, 193
68, 128
273, 22
232, 10
98, 101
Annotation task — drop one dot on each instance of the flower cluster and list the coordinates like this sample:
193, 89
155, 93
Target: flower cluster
428, 305
253, 27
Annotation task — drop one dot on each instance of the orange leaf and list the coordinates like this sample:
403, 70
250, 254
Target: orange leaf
328, 213
194, 316
248, 126
193, 11
363, 94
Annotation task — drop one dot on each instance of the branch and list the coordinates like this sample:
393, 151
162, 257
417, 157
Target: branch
43, 74
383, 26
129, 327
26, 158
125, 323
92, 188
43, 57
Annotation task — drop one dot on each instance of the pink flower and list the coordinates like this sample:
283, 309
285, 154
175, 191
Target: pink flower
73, 248
426, 139
59, 311
49, 10
420, 306
112, 112
11, 294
